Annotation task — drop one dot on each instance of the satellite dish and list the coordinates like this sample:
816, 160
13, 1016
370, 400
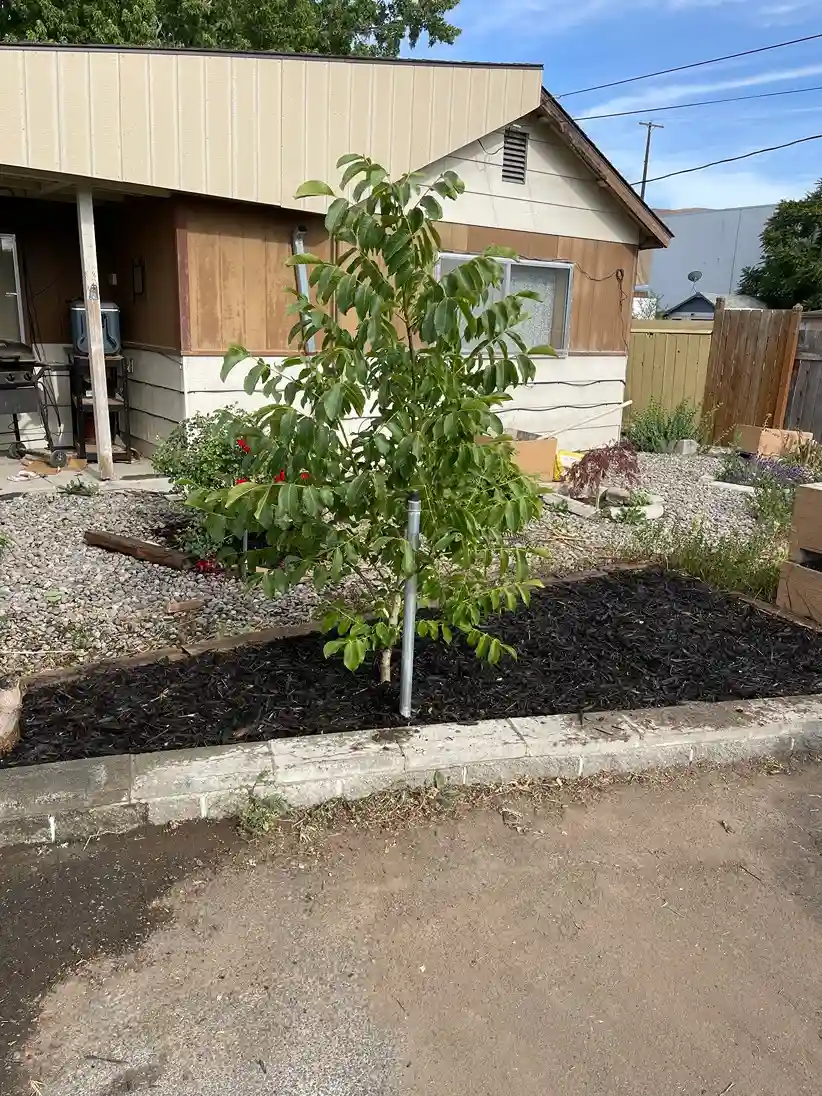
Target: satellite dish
694, 276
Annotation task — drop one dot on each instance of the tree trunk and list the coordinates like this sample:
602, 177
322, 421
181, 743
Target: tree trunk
385, 666
385, 656
11, 704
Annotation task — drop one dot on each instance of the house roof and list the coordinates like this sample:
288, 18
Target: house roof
253, 126
655, 233
732, 300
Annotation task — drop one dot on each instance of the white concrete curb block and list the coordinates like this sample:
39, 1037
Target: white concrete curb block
75, 799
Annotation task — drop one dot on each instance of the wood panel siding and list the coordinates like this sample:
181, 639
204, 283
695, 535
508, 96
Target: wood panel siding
602, 280
234, 284
142, 232
234, 281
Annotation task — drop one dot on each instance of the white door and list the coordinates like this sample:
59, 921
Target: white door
11, 310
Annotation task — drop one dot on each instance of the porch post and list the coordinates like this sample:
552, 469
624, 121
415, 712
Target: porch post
94, 320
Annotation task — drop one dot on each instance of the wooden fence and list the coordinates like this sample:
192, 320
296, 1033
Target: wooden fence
667, 362
750, 367
805, 397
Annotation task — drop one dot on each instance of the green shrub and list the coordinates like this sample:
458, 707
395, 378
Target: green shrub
772, 504
654, 430
808, 454
203, 451
745, 565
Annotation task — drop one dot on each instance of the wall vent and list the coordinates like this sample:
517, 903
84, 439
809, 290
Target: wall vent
514, 155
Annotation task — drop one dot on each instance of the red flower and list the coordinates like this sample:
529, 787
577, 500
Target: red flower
208, 566
305, 475
280, 477
241, 480
243, 444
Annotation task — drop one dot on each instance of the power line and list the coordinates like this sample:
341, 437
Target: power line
730, 159
694, 64
701, 103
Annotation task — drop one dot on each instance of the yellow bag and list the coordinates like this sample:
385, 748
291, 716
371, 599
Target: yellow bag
566, 459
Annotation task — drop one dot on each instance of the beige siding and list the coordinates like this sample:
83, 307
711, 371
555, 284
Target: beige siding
565, 393
216, 123
560, 195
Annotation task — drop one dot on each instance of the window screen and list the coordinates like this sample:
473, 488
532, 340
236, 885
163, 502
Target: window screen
547, 317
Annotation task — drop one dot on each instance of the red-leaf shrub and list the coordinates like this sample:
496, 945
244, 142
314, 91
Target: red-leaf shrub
586, 476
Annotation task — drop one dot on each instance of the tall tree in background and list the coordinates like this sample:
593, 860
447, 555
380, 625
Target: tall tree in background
369, 27
791, 269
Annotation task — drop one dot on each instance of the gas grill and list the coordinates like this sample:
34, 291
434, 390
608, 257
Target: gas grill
20, 395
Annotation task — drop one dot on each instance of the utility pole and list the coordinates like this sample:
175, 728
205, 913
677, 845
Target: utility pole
650, 126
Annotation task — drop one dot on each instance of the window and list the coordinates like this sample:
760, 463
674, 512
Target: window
514, 155
549, 318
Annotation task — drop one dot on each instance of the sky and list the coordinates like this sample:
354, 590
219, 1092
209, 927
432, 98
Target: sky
581, 43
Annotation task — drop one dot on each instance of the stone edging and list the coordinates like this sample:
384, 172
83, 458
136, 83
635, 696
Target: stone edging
69, 800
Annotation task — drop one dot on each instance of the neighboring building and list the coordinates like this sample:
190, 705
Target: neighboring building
701, 306
717, 242
193, 158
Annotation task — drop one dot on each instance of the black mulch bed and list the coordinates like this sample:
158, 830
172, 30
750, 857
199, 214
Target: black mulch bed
632, 639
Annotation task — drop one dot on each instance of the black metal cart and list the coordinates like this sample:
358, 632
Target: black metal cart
82, 403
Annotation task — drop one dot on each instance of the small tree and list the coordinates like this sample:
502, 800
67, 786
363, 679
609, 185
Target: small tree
791, 269
406, 381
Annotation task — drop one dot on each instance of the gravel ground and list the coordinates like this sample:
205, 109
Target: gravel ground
62, 602
582, 542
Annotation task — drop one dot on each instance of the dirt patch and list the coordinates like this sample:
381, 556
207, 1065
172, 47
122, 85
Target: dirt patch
61, 907
652, 937
632, 639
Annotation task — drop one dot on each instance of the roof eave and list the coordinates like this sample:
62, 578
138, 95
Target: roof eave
654, 232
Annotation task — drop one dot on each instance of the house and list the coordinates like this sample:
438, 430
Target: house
183, 166
702, 305
719, 243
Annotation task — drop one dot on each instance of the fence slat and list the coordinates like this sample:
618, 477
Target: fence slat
667, 362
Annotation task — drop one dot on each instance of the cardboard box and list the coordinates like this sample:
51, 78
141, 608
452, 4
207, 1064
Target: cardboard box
800, 592
768, 442
806, 525
537, 458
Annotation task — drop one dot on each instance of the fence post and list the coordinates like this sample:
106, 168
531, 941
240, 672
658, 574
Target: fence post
713, 374
787, 369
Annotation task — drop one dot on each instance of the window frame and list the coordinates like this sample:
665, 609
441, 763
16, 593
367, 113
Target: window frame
552, 264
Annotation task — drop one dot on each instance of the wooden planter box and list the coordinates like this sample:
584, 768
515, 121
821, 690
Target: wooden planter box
537, 458
806, 526
768, 442
800, 592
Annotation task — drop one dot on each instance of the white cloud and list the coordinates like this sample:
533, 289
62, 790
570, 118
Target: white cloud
724, 187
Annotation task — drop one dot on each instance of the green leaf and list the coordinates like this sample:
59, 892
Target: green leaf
349, 158
408, 560
332, 646
332, 402
499, 251
336, 214
544, 350
432, 207
303, 258
235, 355
354, 653
313, 188
238, 491
252, 377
